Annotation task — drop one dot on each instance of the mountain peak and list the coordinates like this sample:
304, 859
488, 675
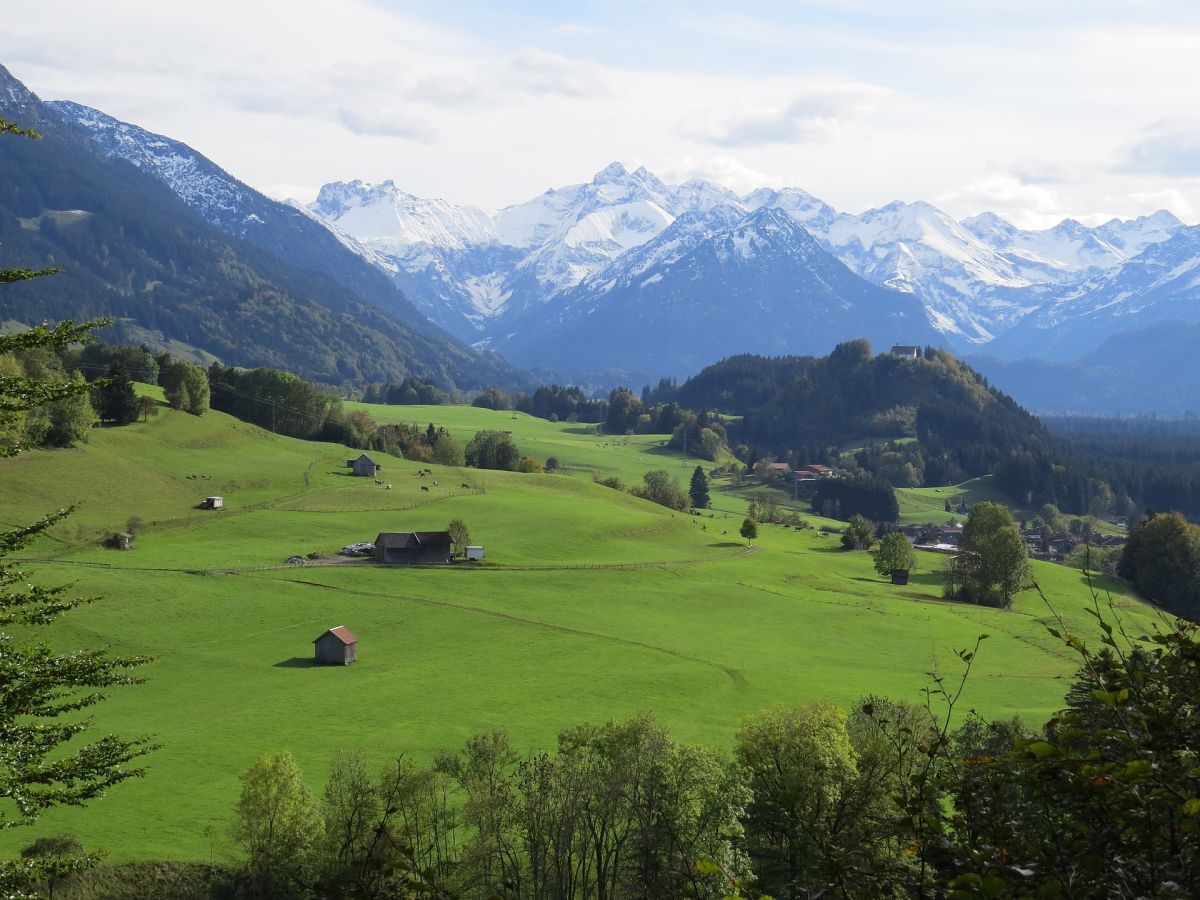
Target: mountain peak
14, 96
614, 171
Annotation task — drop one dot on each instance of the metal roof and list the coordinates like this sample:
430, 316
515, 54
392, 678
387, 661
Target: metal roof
341, 632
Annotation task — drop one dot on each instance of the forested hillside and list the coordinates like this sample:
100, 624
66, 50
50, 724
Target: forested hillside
132, 250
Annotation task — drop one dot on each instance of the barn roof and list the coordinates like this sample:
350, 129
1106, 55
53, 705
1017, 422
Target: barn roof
341, 632
411, 540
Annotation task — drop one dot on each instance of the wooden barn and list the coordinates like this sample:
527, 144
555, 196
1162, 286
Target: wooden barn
413, 547
364, 466
336, 647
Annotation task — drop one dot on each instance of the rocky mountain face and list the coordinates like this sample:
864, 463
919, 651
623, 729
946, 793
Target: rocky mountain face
510, 279
710, 281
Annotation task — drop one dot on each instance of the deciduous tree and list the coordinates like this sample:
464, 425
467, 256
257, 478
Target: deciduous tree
749, 530
895, 552
277, 827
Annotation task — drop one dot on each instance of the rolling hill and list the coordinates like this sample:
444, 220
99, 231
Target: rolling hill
591, 604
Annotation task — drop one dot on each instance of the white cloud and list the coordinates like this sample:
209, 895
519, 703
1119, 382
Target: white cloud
377, 121
534, 71
724, 170
815, 114
1170, 148
859, 107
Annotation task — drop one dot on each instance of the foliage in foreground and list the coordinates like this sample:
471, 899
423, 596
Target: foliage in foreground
889, 800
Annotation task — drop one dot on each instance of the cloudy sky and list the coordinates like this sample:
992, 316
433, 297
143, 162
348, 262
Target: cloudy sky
1036, 110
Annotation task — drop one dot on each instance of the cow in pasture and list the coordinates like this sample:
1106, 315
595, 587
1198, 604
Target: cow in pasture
425, 489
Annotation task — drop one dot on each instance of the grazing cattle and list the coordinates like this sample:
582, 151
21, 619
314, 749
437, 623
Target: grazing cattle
425, 489
377, 481
389, 487
422, 473
435, 484
466, 486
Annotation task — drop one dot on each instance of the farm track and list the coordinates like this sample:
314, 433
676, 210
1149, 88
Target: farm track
360, 564
735, 675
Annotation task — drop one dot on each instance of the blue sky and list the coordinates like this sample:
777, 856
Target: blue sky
1036, 110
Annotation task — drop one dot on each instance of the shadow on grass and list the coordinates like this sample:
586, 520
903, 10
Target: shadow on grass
578, 431
296, 662
728, 544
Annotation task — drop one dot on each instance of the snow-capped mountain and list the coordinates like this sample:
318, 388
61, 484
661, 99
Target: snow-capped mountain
709, 282
1160, 284
469, 270
286, 231
1060, 254
477, 274
215, 194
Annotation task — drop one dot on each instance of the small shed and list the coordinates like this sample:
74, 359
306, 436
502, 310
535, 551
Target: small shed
336, 647
213, 503
413, 547
474, 551
899, 576
364, 466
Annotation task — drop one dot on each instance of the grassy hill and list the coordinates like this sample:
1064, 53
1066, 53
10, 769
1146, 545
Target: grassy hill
592, 604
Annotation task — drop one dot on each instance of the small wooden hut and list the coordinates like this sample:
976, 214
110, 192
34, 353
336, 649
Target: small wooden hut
899, 576
336, 647
364, 466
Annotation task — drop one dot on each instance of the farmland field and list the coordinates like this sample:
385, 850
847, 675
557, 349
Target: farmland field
591, 604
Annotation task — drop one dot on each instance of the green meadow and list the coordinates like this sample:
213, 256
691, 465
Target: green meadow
591, 604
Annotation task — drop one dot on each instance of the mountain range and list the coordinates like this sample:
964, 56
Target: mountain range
984, 284
624, 274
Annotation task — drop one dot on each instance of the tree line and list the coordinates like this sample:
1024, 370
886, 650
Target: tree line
888, 799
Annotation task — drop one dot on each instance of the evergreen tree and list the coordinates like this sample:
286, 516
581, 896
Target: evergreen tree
44, 761
698, 490
117, 399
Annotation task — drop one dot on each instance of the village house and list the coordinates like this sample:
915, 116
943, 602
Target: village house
950, 534
364, 466
904, 351
336, 647
401, 548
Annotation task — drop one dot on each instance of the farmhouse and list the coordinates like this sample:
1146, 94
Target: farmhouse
336, 647
412, 547
213, 503
813, 472
364, 466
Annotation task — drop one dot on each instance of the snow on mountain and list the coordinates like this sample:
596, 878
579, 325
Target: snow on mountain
1160, 284
477, 273
386, 219
204, 186
967, 286
709, 282
1070, 250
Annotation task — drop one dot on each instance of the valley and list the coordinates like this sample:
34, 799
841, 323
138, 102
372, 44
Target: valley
590, 605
